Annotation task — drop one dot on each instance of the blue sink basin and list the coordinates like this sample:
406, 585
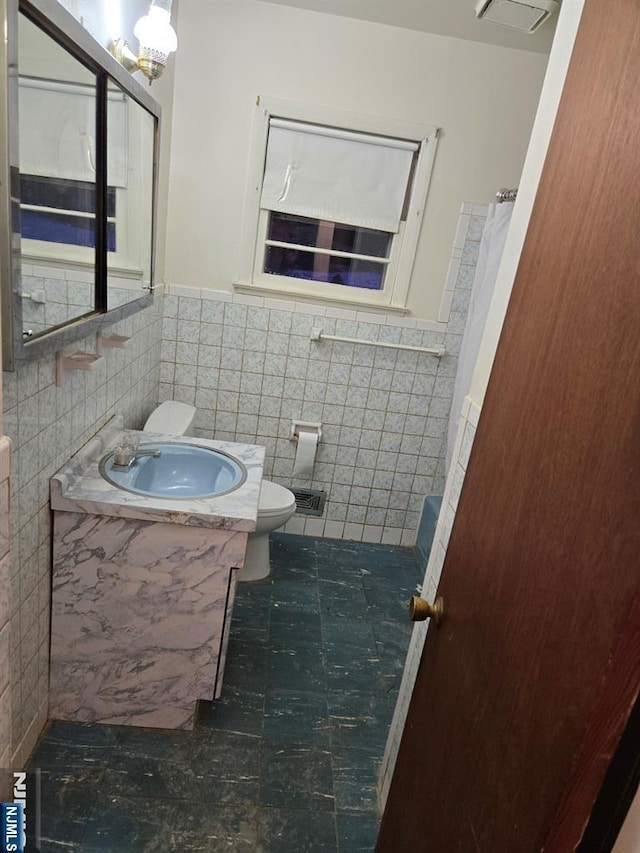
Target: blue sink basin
179, 471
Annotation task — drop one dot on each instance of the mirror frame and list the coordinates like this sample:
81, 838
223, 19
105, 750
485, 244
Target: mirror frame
63, 28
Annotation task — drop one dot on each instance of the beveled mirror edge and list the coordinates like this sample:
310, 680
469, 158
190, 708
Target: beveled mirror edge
64, 28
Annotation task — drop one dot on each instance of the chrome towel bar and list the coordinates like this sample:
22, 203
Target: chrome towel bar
318, 335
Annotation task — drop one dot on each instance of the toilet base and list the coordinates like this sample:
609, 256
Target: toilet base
256, 561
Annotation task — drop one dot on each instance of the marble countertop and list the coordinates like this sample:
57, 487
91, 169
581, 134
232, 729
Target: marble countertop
79, 487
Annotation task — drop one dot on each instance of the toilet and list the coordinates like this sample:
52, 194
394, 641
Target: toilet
275, 506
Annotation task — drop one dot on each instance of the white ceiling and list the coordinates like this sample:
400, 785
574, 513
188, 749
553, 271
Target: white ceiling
455, 18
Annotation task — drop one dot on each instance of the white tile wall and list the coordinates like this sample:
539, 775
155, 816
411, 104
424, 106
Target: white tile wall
249, 366
252, 368
460, 459
463, 260
52, 296
47, 424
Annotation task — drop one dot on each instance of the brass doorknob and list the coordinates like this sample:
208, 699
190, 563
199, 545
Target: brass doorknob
419, 610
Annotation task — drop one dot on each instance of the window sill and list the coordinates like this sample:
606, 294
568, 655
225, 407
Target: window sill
293, 293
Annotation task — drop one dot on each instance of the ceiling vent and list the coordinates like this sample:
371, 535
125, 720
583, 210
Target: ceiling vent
517, 14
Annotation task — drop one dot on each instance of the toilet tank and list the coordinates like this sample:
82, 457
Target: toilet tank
171, 418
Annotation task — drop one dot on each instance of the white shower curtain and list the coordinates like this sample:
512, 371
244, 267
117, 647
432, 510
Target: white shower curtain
491, 247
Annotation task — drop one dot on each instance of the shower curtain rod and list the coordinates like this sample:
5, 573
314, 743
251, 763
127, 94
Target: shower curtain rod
506, 195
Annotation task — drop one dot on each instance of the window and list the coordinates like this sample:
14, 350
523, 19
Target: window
58, 192
335, 204
322, 250
59, 210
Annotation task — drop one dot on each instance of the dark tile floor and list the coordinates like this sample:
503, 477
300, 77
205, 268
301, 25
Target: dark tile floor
287, 761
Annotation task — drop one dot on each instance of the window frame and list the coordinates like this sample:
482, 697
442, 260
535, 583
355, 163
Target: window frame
404, 244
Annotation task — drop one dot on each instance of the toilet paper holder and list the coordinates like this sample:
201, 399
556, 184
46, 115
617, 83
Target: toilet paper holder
305, 426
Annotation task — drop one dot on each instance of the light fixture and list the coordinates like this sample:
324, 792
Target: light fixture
156, 39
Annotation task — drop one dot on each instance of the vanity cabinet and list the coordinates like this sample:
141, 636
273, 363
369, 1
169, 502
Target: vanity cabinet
140, 618
143, 589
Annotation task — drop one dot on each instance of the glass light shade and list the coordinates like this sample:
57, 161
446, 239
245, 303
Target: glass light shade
154, 32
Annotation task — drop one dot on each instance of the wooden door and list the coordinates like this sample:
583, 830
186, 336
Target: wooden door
524, 691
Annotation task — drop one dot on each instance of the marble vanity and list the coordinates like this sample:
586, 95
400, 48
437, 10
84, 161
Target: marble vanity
142, 589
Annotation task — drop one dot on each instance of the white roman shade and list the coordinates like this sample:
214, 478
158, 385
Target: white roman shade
325, 173
58, 132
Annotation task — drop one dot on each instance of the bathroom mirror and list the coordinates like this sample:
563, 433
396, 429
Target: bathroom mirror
130, 157
78, 155
57, 108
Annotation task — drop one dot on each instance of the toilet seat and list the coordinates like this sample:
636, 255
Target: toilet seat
274, 500
170, 417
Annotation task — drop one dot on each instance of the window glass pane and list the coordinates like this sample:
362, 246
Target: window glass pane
58, 228
57, 192
63, 194
311, 266
361, 241
293, 229
64, 228
111, 202
356, 273
287, 228
111, 236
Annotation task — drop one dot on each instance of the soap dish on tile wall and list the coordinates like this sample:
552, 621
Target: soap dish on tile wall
110, 341
74, 361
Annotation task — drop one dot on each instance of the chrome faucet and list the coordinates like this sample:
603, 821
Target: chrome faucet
124, 456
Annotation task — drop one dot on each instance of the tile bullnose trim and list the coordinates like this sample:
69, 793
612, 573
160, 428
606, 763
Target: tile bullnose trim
385, 315
302, 299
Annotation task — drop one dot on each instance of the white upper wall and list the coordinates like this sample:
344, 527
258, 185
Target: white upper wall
482, 96
566, 31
